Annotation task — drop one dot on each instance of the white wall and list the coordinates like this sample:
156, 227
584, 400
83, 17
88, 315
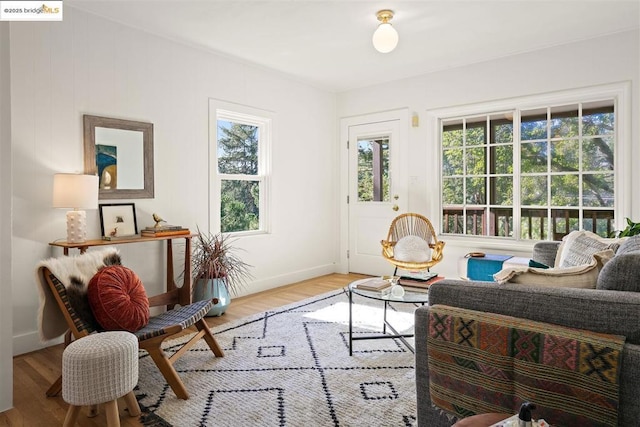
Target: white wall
88, 65
593, 62
6, 332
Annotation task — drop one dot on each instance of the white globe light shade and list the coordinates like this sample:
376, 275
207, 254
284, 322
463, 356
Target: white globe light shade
385, 38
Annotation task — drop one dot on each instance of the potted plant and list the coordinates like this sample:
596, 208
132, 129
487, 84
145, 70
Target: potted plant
217, 270
632, 229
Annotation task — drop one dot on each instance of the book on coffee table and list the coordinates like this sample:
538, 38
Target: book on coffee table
420, 276
418, 285
374, 285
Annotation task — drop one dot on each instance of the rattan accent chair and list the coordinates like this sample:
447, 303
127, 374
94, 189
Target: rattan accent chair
412, 224
150, 338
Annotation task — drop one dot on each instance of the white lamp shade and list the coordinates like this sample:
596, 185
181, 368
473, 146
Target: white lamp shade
75, 191
385, 38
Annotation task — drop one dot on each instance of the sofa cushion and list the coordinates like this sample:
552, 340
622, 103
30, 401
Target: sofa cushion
580, 276
412, 249
631, 244
577, 248
118, 299
621, 273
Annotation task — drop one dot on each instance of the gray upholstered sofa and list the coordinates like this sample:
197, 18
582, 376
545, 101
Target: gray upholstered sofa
607, 311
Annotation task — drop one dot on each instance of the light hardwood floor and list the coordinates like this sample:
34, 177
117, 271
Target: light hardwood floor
34, 372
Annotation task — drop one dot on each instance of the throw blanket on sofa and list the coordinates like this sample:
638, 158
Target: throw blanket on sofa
483, 362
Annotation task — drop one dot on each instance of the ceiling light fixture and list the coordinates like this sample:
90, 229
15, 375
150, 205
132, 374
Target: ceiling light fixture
385, 38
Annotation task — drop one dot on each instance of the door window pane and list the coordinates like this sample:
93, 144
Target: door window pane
373, 169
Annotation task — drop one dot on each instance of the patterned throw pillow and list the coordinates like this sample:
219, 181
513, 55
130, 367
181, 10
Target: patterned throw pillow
412, 249
578, 247
118, 299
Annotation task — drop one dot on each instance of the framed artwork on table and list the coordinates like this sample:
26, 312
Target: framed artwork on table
118, 220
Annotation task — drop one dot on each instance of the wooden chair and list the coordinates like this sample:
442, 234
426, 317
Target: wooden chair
412, 224
150, 338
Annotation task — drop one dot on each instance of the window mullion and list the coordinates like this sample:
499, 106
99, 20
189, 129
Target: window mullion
517, 209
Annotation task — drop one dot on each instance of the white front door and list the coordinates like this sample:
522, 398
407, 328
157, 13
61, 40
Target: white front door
377, 190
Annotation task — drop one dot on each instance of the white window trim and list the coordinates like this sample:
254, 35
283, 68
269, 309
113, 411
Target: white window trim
620, 92
247, 115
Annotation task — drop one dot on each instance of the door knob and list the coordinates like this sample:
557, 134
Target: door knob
395, 208
396, 197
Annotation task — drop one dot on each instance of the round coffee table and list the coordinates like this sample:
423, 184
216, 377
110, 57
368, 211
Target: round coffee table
409, 296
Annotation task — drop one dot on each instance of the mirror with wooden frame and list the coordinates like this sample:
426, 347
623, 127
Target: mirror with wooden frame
120, 152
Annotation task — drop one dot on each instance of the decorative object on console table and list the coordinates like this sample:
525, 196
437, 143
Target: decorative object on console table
116, 238
77, 192
167, 230
118, 220
217, 270
158, 219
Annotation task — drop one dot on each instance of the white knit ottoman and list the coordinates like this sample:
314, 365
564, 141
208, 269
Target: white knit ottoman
100, 368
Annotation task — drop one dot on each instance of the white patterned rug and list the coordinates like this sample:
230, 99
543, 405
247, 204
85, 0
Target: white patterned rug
291, 367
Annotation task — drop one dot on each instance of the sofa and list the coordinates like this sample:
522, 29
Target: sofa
613, 307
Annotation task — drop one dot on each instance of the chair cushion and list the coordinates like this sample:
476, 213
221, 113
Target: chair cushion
118, 299
182, 316
580, 276
412, 249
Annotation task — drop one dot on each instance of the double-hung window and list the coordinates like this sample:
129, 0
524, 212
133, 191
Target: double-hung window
240, 147
531, 172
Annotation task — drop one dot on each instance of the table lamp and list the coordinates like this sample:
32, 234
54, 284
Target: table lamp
77, 192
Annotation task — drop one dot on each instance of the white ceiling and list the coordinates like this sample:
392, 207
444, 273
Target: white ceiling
328, 43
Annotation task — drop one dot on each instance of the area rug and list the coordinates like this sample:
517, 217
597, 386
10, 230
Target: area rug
291, 367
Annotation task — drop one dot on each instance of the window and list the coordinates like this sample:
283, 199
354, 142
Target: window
240, 170
530, 173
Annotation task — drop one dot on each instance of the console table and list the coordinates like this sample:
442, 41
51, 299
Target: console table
174, 294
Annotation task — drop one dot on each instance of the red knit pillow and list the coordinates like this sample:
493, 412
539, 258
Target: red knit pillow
118, 299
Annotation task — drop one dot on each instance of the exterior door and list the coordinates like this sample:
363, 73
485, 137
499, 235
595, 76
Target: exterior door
377, 191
